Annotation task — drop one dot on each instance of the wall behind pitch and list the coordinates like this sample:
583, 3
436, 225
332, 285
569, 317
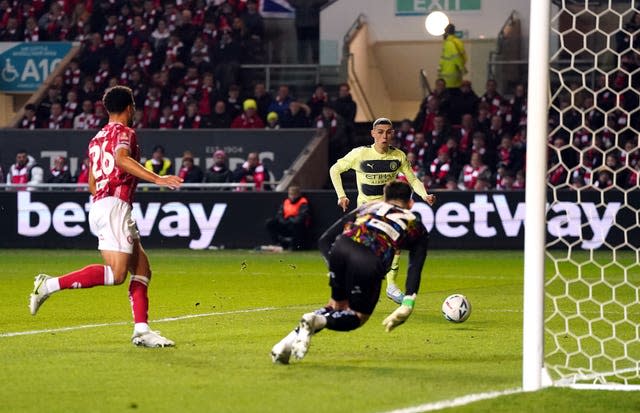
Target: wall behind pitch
200, 219
277, 149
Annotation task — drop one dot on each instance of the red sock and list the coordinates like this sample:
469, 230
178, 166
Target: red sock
138, 298
88, 277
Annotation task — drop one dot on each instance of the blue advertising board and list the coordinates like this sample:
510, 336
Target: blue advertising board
24, 66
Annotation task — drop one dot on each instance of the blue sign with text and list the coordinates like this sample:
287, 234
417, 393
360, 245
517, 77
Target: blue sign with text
24, 66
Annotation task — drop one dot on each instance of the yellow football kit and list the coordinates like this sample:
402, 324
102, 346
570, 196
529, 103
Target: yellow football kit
373, 171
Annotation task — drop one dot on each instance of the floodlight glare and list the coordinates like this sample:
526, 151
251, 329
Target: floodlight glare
436, 22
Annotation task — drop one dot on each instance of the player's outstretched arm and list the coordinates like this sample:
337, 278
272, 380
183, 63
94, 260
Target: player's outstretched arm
125, 162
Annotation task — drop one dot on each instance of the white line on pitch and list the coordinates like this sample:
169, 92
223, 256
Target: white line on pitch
122, 323
458, 401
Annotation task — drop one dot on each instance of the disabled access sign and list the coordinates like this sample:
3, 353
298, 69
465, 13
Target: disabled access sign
25, 65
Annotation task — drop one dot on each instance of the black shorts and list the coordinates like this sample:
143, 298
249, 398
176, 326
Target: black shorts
357, 275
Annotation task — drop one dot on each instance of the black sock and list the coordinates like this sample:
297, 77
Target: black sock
342, 320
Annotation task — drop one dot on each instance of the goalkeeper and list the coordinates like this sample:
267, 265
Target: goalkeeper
375, 166
358, 258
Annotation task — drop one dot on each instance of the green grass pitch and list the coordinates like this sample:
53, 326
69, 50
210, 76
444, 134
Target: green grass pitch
243, 302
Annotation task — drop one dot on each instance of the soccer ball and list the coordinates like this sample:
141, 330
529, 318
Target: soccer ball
456, 308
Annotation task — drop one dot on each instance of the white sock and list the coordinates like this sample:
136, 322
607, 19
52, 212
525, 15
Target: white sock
288, 340
108, 275
140, 328
52, 285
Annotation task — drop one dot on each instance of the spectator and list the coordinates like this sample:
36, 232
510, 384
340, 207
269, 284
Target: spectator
220, 118
404, 135
308, 28
24, 171
59, 173
289, 228
252, 171
207, 95
190, 172
334, 125
317, 101
519, 182
72, 75
281, 102
452, 61
234, 105
138, 121
440, 168
82, 174
421, 149
11, 32
272, 121
227, 54
219, 173
179, 100
57, 118
100, 115
263, 99
296, 116
152, 107
160, 36
344, 104
191, 81
158, 163
44, 108
29, 119
85, 118
31, 31
464, 102
471, 172
482, 183
249, 119
253, 21
509, 156
88, 90
167, 119
191, 119
491, 96
71, 107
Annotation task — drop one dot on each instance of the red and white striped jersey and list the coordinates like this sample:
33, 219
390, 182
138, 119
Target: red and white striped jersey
110, 179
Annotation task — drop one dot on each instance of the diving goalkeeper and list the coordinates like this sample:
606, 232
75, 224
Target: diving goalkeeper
367, 240
375, 166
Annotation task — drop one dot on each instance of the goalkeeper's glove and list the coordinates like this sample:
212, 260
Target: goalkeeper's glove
400, 314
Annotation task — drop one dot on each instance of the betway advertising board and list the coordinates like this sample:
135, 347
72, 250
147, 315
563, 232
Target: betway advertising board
201, 220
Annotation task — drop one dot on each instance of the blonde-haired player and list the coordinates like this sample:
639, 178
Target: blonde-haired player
375, 166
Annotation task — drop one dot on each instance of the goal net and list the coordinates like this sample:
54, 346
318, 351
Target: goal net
592, 266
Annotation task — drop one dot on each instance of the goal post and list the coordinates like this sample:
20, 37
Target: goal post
535, 196
581, 321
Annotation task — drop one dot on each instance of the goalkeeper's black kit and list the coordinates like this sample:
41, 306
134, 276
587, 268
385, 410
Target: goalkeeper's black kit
359, 249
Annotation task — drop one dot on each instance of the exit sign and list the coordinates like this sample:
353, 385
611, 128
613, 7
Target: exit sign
422, 7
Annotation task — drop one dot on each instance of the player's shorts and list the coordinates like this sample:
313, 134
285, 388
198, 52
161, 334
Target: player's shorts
110, 219
357, 275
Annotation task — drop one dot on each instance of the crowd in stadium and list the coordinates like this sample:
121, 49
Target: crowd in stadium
182, 61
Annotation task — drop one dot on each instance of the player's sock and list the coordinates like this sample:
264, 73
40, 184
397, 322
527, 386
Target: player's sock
393, 272
89, 276
139, 302
342, 320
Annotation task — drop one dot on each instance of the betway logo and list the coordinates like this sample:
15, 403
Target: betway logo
173, 219
452, 219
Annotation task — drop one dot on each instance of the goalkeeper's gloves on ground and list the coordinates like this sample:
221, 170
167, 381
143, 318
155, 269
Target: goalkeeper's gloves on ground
400, 314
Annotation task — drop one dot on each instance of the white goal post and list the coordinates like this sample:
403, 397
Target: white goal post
581, 324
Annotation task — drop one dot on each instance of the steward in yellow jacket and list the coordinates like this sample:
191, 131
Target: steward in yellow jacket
453, 60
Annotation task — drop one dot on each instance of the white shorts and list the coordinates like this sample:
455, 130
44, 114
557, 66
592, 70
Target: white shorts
110, 219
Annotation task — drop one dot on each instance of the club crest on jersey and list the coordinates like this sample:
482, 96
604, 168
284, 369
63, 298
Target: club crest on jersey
393, 165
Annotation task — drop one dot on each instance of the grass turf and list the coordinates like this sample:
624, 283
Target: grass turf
243, 302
